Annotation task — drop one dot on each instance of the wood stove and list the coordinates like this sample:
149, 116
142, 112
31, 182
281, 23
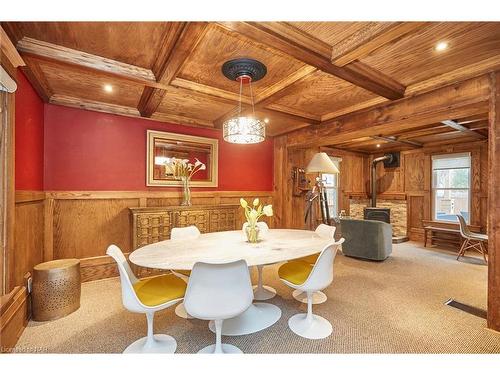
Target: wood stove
378, 213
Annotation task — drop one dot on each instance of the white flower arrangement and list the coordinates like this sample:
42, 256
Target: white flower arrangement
182, 168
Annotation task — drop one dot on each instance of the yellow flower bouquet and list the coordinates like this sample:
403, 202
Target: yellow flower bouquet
253, 214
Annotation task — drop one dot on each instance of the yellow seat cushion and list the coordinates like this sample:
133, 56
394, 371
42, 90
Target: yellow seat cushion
295, 271
159, 289
311, 259
184, 272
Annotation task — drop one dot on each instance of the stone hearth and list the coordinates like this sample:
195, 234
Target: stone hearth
398, 212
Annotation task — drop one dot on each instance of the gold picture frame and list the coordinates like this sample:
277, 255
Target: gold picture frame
164, 145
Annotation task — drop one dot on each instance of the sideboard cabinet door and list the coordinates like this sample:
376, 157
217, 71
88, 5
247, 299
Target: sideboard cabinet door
151, 227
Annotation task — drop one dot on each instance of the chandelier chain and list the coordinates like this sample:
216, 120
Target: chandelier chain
239, 102
251, 98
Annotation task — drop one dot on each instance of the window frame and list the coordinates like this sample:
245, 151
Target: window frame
468, 220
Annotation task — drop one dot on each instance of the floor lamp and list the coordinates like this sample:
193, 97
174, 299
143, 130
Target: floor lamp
320, 163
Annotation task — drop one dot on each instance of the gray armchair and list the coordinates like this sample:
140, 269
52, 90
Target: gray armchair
367, 239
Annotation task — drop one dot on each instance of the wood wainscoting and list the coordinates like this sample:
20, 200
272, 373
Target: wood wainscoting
82, 224
28, 235
14, 316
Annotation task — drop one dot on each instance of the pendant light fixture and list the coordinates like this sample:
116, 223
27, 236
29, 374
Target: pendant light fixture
244, 129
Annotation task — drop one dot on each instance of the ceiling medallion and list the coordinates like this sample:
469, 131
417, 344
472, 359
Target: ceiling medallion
244, 129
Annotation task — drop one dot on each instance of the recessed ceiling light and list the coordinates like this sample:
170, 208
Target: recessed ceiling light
441, 46
266, 120
378, 144
108, 88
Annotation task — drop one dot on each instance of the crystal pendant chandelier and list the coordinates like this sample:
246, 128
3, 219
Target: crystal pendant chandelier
244, 129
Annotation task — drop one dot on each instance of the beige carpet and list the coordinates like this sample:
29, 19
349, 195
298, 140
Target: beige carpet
394, 306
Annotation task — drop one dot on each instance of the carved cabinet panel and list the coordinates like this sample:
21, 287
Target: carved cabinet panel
151, 227
154, 224
198, 218
222, 219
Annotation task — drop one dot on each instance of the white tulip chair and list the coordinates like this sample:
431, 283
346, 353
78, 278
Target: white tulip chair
327, 232
261, 292
309, 278
218, 292
148, 296
184, 233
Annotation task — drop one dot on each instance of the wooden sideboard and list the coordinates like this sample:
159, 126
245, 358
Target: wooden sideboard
153, 224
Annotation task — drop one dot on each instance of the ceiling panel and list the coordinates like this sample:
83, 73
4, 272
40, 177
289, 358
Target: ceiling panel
321, 93
135, 43
189, 103
331, 32
413, 58
218, 46
84, 84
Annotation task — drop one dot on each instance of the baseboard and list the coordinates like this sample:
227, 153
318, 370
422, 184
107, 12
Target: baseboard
14, 314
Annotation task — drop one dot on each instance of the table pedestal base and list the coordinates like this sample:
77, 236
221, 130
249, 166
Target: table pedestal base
263, 292
257, 317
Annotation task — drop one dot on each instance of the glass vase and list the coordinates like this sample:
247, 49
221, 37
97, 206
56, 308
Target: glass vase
186, 192
252, 232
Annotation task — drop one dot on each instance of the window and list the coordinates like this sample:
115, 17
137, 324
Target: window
451, 186
331, 183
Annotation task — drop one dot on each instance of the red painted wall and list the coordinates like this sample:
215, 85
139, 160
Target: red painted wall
29, 137
86, 150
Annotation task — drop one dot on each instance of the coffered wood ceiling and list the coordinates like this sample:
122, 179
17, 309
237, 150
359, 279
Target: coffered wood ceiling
317, 71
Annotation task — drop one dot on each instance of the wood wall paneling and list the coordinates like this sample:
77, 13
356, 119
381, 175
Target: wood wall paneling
85, 228
13, 317
494, 206
29, 239
7, 191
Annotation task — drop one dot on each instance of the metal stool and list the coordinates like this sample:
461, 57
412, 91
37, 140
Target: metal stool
56, 289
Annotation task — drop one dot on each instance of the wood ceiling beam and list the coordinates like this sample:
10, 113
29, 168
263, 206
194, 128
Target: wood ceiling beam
180, 41
302, 38
424, 132
394, 139
170, 117
464, 99
371, 37
455, 125
29, 46
353, 108
284, 87
92, 105
225, 96
8, 51
471, 119
359, 74
37, 79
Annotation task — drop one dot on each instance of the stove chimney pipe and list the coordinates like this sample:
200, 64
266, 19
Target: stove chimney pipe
374, 175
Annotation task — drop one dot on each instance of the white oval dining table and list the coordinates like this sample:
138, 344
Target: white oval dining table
275, 246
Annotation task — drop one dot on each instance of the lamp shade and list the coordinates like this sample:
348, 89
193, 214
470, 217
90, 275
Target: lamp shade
321, 163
